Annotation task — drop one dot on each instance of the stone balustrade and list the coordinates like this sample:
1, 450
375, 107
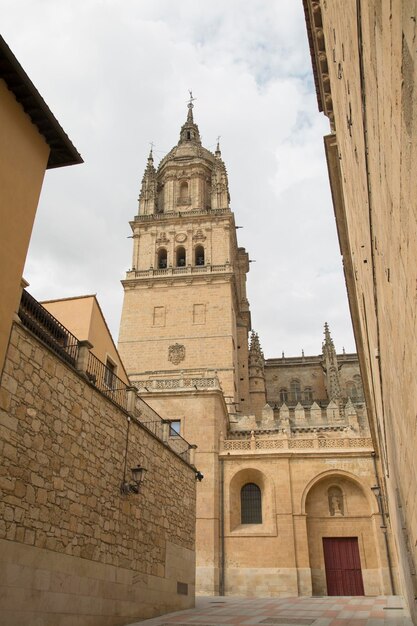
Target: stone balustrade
284, 443
180, 271
180, 384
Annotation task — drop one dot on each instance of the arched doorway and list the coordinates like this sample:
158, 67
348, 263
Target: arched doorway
343, 550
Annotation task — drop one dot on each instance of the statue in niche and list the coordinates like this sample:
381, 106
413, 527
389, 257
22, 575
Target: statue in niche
336, 505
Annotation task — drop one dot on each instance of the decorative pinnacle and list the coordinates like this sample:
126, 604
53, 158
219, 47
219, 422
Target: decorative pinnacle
218, 152
327, 337
150, 157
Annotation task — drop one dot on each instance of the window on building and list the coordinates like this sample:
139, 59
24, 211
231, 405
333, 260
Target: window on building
181, 257
162, 258
199, 255
295, 388
174, 428
160, 200
351, 390
283, 394
308, 394
250, 504
358, 382
110, 373
184, 191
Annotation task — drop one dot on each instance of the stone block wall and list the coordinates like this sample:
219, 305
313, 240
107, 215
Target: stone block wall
364, 57
73, 549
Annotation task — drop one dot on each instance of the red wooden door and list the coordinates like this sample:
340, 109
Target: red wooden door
343, 566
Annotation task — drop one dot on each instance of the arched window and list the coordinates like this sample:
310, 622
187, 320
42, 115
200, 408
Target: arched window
295, 389
199, 255
160, 199
162, 258
250, 504
351, 390
283, 394
184, 190
181, 258
308, 394
359, 389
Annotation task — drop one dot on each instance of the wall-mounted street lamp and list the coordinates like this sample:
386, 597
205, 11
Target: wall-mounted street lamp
376, 490
199, 476
138, 474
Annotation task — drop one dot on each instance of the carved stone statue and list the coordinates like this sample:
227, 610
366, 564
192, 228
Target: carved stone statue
336, 507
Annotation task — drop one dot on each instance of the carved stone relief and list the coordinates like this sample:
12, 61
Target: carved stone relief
176, 353
162, 238
199, 235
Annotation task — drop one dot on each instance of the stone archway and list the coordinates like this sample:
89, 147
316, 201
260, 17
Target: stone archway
339, 514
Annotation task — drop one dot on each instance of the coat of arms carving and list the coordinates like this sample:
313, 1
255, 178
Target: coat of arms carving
176, 353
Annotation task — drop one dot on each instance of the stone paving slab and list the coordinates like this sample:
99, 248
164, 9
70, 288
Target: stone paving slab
328, 611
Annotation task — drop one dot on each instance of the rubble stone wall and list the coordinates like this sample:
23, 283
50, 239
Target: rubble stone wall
71, 545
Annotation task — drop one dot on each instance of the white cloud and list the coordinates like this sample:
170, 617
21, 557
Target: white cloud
116, 75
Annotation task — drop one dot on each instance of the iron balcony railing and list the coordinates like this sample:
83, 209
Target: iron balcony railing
154, 422
106, 381
66, 346
48, 329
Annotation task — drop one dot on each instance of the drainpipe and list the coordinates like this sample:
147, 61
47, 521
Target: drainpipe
222, 554
381, 508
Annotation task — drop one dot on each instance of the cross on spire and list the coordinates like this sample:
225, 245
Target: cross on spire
190, 107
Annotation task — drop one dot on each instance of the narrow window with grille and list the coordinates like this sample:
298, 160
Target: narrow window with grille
251, 504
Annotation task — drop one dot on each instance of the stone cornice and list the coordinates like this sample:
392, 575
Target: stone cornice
319, 57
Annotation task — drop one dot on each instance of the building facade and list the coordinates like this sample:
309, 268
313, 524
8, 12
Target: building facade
363, 56
31, 142
283, 444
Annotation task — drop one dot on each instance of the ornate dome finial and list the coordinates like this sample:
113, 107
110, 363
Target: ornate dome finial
189, 131
190, 105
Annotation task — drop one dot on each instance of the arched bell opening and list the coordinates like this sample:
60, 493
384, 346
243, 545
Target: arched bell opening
181, 257
162, 259
199, 258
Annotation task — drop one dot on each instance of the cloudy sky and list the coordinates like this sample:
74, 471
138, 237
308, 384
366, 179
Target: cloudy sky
116, 74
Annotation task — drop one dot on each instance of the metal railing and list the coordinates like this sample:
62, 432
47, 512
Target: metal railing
48, 329
66, 346
161, 429
106, 381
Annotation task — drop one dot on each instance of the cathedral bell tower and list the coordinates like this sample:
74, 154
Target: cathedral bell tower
185, 321
185, 309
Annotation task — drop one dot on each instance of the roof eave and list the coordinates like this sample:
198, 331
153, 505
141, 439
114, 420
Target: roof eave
62, 150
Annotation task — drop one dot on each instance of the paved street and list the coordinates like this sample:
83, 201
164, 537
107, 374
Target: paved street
328, 611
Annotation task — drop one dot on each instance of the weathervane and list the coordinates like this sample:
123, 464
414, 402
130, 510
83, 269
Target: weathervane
191, 100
